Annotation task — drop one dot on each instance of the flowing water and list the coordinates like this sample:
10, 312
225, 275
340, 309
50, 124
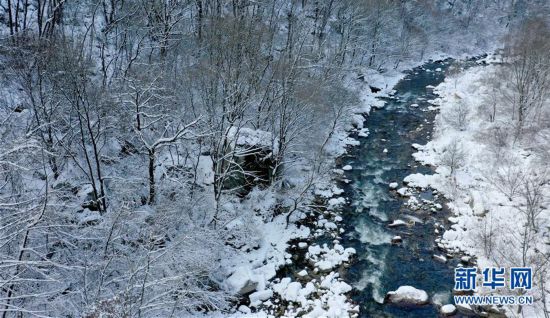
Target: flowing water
381, 266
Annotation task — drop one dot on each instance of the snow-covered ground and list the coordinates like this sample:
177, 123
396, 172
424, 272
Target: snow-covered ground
487, 175
233, 246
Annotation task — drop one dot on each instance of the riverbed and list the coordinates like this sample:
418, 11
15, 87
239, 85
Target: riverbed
385, 157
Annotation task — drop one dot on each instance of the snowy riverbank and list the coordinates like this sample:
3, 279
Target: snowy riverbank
484, 172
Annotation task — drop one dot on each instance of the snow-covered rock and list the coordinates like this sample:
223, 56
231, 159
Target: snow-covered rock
292, 291
448, 310
302, 273
335, 203
244, 309
407, 296
396, 239
242, 281
364, 132
330, 226
394, 185
404, 192
347, 167
326, 259
357, 121
257, 297
417, 180
397, 223
250, 137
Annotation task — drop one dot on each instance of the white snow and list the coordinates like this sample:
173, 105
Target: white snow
335, 203
407, 295
477, 189
404, 192
417, 180
440, 258
364, 132
250, 137
448, 309
357, 121
258, 297
396, 239
205, 173
242, 281
397, 223
326, 258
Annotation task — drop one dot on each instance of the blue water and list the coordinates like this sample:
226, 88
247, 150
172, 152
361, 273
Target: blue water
381, 266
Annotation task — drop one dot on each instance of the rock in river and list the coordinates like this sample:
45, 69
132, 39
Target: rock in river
407, 296
396, 240
448, 310
397, 223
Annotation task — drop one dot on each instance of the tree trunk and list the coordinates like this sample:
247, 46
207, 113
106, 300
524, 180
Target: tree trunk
152, 191
10, 18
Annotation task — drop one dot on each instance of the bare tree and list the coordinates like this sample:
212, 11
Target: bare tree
527, 72
493, 98
508, 178
453, 156
533, 195
157, 120
458, 115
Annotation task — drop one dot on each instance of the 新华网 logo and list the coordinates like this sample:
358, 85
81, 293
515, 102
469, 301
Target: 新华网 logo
493, 278
516, 278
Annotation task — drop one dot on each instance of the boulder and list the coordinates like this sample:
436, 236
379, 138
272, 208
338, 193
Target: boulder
448, 310
242, 281
404, 192
258, 297
440, 258
396, 240
407, 296
397, 223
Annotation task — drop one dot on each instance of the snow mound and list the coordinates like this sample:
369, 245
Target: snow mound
448, 310
407, 295
250, 137
397, 223
326, 258
418, 180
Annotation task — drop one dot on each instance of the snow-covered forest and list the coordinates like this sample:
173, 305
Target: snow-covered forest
175, 158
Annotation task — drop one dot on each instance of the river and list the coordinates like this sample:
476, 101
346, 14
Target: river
383, 157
